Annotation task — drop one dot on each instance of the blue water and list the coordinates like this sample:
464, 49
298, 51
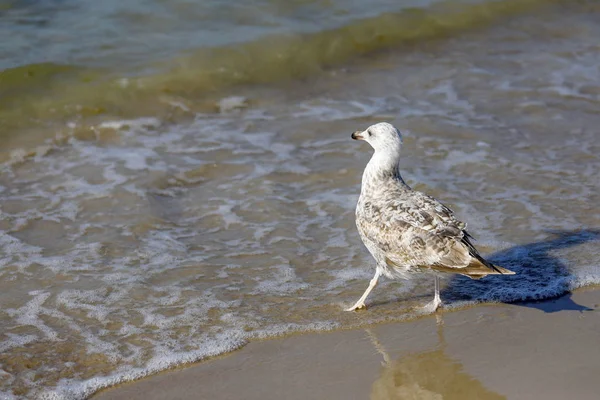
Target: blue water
125, 35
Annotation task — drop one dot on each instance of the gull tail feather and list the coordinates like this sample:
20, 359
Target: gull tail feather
477, 262
475, 270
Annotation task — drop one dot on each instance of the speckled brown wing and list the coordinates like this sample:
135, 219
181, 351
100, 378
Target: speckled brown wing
415, 230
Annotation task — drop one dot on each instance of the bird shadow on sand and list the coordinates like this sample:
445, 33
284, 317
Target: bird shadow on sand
540, 275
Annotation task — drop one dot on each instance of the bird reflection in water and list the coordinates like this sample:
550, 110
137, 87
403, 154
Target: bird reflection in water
429, 375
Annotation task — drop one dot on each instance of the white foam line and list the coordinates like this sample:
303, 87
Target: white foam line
29, 314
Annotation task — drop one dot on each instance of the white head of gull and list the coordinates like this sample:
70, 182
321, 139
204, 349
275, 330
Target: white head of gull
406, 231
386, 140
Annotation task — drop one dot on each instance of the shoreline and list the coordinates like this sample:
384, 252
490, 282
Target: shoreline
546, 349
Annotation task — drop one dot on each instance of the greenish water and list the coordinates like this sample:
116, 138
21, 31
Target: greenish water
127, 64
177, 178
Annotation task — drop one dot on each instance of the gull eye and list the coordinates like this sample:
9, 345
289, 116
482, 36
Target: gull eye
370, 134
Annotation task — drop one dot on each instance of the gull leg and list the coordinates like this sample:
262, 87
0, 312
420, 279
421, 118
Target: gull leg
434, 304
361, 302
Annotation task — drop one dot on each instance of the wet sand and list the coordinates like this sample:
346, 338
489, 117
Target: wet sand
542, 350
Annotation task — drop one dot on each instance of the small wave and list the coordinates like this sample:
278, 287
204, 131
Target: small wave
42, 95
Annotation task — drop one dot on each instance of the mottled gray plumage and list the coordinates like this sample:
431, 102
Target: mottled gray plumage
407, 231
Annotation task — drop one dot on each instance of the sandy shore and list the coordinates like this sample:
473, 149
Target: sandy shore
546, 350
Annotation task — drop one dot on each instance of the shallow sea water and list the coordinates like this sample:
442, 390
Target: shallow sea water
131, 245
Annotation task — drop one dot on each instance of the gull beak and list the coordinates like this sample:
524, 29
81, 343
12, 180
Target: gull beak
358, 136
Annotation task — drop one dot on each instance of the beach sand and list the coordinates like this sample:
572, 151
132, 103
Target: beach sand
543, 350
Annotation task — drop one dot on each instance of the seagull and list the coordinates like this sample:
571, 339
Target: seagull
407, 231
